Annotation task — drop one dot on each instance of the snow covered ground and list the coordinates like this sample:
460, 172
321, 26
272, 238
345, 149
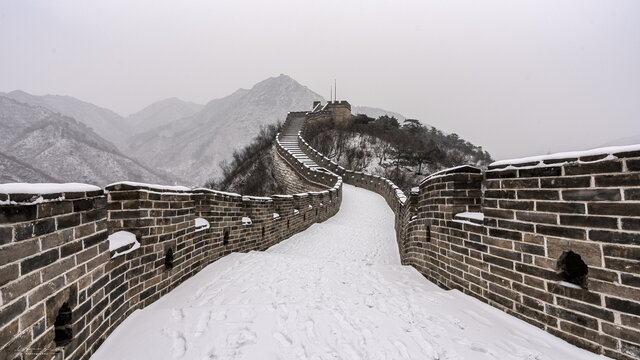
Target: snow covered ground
335, 291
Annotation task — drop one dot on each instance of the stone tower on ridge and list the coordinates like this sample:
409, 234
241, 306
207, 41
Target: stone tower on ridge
339, 111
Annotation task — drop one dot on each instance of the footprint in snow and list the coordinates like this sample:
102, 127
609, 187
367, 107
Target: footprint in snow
177, 314
282, 339
241, 338
402, 349
178, 345
308, 325
203, 323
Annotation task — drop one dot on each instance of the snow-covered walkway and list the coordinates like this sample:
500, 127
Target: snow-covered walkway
335, 291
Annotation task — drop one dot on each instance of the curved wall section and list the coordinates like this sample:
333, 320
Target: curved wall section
62, 254
553, 240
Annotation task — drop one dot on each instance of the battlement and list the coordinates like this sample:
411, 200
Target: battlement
337, 111
553, 240
337, 104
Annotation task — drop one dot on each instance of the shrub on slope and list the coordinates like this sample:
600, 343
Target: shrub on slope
251, 170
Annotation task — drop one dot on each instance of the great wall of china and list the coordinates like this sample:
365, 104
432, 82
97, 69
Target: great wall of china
554, 242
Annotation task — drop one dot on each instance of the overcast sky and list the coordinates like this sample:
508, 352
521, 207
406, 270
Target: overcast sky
517, 77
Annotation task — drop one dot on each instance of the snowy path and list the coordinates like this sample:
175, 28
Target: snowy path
335, 291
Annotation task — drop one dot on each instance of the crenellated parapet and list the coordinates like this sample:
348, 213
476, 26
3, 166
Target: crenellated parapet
553, 240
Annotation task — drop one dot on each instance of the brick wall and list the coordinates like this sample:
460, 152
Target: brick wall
290, 180
57, 252
51, 253
536, 215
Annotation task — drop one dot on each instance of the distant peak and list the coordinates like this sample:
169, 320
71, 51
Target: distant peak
281, 80
19, 92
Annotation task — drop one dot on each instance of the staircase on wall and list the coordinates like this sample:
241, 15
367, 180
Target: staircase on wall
289, 140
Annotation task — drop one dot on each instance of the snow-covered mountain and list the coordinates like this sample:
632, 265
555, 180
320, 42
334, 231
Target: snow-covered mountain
192, 148
172, 136
104, 122
39, 145
161, 113
14, 170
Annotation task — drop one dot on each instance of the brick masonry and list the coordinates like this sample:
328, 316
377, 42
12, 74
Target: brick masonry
58, 276
533, 215
289, 179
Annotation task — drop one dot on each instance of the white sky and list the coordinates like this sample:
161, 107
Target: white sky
517, 77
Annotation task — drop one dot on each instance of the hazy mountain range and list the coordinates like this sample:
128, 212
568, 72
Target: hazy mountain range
39, 145
60, 138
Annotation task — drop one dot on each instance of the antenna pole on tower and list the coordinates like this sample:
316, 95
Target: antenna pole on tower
335, 92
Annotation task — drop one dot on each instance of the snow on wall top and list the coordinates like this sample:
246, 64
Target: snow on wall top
45, 188
569, 155
153, 186
218, 192
202, 224
471, 215
452, 170
122, 239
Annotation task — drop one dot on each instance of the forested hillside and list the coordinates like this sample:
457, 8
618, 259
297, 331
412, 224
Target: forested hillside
402, 152
251, 170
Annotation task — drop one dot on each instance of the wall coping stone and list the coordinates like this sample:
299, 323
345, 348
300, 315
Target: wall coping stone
598, 154
453, 170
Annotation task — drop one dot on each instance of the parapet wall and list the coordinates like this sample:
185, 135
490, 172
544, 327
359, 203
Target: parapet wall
514, 245
64, 286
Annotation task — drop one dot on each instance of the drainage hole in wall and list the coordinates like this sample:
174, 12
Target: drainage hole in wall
63, 326
168, 259
572, 269
225, 237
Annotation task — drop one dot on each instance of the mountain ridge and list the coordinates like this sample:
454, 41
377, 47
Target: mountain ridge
161, 113
186, 139
40, 145
107, 123
223, 125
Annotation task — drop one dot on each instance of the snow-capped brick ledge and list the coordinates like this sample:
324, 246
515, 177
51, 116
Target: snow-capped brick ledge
586, 156
469, 218
130, 185
201, 224
122, 243
462, 169
37, 193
